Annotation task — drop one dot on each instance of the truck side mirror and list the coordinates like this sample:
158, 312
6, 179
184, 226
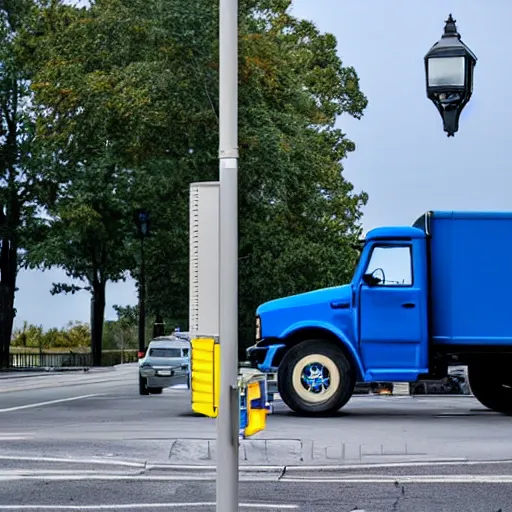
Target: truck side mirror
371, 280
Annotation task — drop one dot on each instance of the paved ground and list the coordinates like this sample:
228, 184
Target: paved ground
386, 489
101, 414
77, 439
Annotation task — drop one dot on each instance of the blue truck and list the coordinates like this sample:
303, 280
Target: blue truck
422, 298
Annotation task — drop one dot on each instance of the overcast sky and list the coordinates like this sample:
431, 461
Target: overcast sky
403, 160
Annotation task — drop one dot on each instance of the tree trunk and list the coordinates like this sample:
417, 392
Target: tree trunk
8, 270
10, 218
97, 319
158, 326
6, 322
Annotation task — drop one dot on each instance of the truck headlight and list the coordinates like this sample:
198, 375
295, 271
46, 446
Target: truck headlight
258, 328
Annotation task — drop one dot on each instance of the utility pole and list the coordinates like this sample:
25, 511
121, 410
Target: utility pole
142, 222
142, 298
228, 418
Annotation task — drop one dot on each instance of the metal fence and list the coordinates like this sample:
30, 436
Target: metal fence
70, 359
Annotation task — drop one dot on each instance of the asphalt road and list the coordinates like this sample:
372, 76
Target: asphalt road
91, 440
421, 489
102, 415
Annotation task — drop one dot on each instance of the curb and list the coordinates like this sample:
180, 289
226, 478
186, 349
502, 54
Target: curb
190, 472
187, 469
282, 469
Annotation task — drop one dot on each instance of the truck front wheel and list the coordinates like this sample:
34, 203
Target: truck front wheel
491, 387
315, 377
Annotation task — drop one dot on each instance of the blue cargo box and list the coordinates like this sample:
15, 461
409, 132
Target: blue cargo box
470, 279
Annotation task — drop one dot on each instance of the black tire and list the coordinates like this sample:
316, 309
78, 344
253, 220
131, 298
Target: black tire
143, 390
289, 377
491, 386
155, 391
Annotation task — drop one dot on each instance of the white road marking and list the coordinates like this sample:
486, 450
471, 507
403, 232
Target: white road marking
406, 479
412, 464
12, 438
50, 402
60, 381
139, 506
62, 473
91, 460
357, 479
69, 477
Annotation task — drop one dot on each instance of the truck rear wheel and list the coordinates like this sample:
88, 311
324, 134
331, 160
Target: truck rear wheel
491, 387
315, 377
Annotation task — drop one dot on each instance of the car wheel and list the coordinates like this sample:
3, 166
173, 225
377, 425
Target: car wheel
143, 390
315, 377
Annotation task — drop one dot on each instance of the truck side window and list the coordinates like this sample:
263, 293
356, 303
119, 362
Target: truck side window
393, 265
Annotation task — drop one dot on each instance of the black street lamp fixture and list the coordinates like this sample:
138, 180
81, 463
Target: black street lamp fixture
142, 223
449, 66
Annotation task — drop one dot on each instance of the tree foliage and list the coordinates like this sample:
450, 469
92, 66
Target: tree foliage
88, 221
21, 184
125, 95
74, 335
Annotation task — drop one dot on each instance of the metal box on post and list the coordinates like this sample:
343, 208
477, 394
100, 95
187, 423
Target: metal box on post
204, 259
204, 297
204, 319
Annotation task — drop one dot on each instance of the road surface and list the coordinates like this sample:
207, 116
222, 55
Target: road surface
90, 440
387, 489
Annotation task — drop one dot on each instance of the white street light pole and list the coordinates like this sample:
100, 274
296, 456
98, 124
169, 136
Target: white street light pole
228, 419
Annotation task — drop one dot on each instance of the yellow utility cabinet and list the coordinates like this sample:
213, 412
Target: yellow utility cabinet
205, 376
205, 386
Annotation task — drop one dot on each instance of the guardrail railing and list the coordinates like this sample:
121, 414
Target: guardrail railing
20, 360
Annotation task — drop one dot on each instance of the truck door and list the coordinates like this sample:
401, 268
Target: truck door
393, 312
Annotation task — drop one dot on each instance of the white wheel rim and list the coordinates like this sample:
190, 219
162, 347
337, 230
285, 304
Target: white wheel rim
319, 393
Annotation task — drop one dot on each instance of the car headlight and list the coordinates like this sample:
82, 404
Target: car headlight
258, 328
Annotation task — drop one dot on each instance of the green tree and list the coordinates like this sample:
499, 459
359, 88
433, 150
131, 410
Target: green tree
74, 335
88, 222
122, 333
21, 185
87, 236
140, 77
28, 336
299, 216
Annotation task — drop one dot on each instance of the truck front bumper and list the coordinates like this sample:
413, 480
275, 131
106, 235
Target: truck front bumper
263, 354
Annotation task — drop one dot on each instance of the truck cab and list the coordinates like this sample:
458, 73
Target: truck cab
387, 324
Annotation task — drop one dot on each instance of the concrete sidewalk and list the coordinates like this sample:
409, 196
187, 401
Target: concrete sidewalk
40, 372
24, 373
14, 373
23, 380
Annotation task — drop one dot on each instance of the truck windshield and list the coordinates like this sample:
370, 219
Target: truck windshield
392, 264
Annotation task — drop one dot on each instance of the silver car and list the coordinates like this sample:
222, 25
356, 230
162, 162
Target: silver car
166, 363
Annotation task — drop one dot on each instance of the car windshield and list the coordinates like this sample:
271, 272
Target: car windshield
164, 352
